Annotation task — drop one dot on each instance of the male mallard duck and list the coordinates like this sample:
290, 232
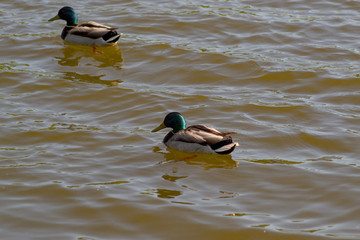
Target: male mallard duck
195, 138
89, 33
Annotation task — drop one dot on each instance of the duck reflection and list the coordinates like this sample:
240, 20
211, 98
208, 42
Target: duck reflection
207, 161
172, 178
166, 193
109, 56
273, 161
73, 76
163, 193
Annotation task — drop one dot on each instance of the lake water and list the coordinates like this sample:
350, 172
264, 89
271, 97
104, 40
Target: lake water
78, 159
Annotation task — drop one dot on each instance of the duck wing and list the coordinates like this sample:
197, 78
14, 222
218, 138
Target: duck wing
199, 138
93, 24
218, 141
201, 134
91, 30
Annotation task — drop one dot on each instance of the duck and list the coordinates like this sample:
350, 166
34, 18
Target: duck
195, 138
89, 33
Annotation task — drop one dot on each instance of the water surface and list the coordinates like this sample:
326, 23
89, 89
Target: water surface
78, 159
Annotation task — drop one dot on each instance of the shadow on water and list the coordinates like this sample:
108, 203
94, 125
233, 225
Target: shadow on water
207, 161
107, 56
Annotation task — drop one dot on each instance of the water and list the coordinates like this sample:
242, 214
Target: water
79, 160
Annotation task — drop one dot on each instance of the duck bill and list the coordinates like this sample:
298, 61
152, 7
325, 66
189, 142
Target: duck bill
54, 18
161, 126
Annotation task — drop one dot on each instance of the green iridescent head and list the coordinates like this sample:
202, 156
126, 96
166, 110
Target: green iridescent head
173, 120
68, 14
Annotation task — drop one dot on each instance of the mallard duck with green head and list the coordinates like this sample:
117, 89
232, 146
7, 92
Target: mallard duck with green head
195, 138
90, 33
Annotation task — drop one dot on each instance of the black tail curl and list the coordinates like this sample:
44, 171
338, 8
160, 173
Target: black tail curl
111, 34
222, 143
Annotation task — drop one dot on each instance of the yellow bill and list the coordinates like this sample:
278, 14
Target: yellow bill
54, 18
161, 126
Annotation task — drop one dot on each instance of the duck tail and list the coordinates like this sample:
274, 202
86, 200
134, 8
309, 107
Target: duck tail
225, 146
112, 36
